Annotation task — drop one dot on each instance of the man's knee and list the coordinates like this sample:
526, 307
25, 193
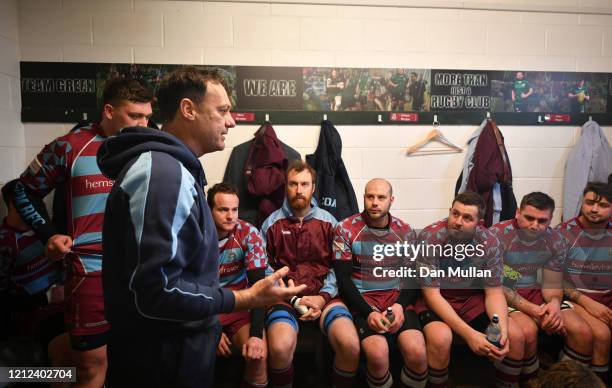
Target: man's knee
601, 336
376, 353
347, 347
281, 344
344, 339
581, 332
530, 334
516, 336
439, 339
412, 346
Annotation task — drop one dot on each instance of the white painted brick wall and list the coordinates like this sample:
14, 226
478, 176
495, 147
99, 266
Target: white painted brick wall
279, 32
127, 29
55, 27
526, 39
460, 37
169, 55
98, 53
12, 139
197, 29
256, 33
575, 41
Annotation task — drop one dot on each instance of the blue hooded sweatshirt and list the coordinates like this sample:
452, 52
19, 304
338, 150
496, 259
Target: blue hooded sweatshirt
160, 267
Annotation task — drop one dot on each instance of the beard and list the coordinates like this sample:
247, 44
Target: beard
597, 220
458, 235
377, 215
299, 202
528, 235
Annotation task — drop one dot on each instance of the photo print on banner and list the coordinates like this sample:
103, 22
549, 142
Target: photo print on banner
69, 92
538, 91
357, 89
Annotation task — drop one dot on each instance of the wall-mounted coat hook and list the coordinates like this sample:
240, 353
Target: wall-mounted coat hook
324, 117
379, 119
267, 117
540, 119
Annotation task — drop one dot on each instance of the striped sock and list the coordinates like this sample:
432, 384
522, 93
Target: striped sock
568, 353
507, 372
384, 382
282, 378
601, 371
409, 378
342, 379
530, 368
438, 378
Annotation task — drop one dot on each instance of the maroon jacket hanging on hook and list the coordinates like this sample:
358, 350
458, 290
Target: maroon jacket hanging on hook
265, 171
491, 166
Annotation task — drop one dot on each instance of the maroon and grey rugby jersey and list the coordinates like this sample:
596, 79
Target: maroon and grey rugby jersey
589, 257
467, 281
304, 246
240, 252
527, 257
72, 159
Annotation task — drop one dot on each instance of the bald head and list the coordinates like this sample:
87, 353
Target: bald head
377, 201
379, 184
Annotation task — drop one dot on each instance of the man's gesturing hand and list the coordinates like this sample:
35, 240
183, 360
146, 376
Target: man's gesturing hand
266, 292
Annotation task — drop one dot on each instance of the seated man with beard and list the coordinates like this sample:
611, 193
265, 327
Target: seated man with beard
531, 245
589, 268
299, 235
464, 289
382, 305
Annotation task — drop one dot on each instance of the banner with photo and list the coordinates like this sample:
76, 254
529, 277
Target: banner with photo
67, 92
537, 91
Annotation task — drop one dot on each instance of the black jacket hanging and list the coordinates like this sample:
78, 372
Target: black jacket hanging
334, 191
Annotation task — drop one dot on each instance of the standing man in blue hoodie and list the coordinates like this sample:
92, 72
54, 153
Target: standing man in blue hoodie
161, 279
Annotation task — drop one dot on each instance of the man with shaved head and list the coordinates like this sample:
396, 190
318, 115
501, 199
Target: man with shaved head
369, 291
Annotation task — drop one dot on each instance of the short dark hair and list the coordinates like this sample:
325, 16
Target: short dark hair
185, 82
472, 199
539, 200
121, 89
8, 191
299, 165
222, 187
600, 189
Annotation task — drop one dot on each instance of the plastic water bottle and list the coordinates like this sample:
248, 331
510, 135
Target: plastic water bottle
300, 308
390, 315
494, 331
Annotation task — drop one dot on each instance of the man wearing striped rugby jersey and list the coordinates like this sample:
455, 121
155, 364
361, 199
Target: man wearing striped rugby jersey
242, 262
530, 246
589, 268
71, 160
370, 296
